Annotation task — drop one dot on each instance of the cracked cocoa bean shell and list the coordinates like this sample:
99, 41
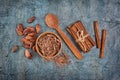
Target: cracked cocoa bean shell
32, 34
31, 19
37, 27
28, 54
15, 48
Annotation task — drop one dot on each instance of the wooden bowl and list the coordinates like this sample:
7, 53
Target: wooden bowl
39, 49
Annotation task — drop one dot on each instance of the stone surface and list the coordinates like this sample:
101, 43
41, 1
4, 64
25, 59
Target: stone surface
17, 67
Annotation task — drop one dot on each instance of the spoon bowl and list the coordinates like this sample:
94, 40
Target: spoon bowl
52, 21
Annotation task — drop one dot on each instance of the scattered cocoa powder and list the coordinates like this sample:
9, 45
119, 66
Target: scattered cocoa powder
62, 59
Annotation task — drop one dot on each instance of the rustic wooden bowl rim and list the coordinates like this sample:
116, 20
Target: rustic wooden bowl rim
42, 35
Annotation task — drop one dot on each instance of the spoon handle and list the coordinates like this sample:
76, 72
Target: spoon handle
69, 43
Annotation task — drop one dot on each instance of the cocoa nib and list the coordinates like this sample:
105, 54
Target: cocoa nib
32, 34
37, 27
15, 48
20, 27
30, 20
34, 48
28, 54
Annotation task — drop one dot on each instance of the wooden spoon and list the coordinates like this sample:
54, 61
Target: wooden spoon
53, 22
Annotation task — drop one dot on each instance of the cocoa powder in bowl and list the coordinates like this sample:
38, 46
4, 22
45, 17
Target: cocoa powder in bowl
48, 45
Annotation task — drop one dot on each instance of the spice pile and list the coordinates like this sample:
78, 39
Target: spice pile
62, 59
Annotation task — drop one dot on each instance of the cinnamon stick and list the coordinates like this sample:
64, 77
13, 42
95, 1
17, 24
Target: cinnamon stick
101, 55
97, 35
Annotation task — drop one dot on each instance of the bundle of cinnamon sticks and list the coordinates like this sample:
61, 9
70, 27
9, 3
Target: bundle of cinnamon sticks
85, 42
81, 36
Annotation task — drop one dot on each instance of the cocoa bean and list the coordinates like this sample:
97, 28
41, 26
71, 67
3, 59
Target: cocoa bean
28, 54
37, 27
30, 20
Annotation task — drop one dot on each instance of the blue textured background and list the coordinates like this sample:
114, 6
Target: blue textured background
14, 66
